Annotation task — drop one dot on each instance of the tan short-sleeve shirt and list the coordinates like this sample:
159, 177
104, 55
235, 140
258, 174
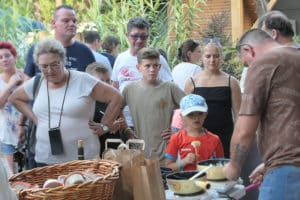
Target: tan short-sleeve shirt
272, 90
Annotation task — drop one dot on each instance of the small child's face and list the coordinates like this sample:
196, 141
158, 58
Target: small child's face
194, 120
149, 68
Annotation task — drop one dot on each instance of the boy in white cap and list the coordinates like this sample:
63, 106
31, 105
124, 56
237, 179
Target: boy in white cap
193, 143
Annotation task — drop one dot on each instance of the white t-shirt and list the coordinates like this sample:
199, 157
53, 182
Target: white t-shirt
243, 78
125, 71
102, 59
9, 116
78, 109
184, 71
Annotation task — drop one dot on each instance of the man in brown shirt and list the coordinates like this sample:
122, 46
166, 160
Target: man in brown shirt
271, 104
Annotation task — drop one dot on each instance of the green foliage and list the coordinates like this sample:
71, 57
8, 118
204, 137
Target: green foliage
11, 28
169, 19
215, 28
232, 64
297, 39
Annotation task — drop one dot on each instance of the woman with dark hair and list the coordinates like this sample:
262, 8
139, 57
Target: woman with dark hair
10, 79
189, 53
110, 46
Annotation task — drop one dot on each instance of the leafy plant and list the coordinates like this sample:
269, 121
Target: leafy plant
171, 21
297, 39
215, 29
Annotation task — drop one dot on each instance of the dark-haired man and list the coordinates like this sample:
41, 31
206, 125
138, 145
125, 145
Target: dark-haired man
64, 23
270, 105
92, 40
124, 70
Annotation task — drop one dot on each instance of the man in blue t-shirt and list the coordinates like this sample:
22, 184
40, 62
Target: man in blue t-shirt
64, 23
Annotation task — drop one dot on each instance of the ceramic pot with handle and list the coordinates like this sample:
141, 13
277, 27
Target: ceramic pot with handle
180, 184
215, 172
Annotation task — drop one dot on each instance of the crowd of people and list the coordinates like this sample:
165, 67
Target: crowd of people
191, 113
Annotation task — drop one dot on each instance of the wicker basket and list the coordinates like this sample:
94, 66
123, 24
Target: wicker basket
99, 189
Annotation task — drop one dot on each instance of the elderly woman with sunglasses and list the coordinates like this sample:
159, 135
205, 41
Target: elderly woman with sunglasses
221, 92
63, 106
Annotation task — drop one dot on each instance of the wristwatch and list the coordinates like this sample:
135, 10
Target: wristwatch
104, 127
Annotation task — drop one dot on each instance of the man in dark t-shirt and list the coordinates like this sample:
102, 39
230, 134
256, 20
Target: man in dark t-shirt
64, 23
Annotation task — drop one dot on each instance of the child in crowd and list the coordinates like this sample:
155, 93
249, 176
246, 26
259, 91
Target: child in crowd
151, 103
193, 143
120, 129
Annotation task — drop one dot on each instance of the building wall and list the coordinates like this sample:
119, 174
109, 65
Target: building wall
212, 7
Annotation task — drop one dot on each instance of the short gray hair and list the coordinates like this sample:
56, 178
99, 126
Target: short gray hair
49, 46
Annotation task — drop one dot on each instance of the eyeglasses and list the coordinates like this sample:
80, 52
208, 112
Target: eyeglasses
54, 65
216, 40
142, 37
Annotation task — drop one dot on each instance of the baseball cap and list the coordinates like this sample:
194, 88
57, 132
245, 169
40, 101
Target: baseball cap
192, 103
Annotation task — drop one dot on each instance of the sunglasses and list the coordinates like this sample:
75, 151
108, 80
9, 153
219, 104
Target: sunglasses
216, 40
136, 37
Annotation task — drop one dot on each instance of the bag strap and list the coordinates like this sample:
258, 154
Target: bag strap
193, 82
36, 84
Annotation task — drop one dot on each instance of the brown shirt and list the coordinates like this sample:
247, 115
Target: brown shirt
272, 90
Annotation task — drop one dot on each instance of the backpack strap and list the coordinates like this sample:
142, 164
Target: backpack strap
36, 84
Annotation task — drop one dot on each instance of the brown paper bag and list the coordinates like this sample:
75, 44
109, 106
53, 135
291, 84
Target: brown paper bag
140, 178
128, 158
147, 181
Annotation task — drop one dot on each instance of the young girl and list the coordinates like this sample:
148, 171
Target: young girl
193, 143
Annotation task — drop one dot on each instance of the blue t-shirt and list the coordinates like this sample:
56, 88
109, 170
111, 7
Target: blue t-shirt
110, 57
78, 57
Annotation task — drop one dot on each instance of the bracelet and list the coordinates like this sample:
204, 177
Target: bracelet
23, 125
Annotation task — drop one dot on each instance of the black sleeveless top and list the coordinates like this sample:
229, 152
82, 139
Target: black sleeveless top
219, 119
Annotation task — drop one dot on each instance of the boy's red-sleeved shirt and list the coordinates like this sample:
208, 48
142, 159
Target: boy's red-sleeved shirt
180, 144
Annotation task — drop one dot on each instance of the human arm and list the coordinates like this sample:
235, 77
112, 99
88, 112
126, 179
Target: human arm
14, 81
177, 165
120, 124
235, 97
20, 100
105, 93
189, 87
257, 174
115, 84
166, 134
241, 141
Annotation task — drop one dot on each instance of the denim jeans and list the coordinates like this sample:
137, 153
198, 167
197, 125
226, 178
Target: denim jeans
281, 183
